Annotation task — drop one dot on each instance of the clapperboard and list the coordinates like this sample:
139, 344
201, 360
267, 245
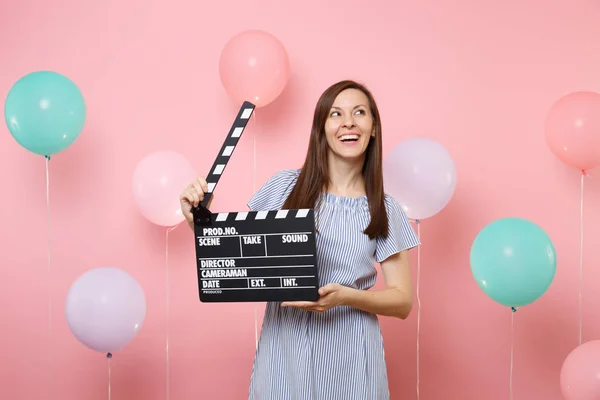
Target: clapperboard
253, 256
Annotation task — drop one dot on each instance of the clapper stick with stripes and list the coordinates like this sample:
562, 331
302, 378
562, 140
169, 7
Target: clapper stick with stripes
253, 256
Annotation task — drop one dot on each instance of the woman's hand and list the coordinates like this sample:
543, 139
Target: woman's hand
332, 295
191, 196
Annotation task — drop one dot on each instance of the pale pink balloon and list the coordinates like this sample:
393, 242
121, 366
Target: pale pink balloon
573, 129
158, 180
420, 174
580, 373
254, 66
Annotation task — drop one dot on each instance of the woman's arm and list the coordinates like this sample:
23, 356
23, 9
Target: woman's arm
395, 300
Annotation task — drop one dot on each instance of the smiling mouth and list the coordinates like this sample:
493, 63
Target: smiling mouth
349, 138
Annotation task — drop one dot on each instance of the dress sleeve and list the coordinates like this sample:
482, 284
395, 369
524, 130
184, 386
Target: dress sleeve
401, 235
274, 192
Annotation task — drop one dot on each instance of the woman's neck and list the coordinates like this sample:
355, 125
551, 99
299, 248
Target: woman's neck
345, 177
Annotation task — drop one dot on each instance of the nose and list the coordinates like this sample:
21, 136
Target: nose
348, 121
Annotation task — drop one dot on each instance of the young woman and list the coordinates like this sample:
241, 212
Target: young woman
332, 348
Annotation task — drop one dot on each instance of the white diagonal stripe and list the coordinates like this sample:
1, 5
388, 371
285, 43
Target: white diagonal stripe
237, 132
211, 187
222, 216
219, 169
246, 113
228, 150
302, 213
241, 216
261, 214
281, 214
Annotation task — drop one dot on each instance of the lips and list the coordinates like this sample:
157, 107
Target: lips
349, 137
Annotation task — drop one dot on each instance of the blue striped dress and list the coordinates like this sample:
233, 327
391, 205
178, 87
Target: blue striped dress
338, 354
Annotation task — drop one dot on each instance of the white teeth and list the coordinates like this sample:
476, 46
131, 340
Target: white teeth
347, 137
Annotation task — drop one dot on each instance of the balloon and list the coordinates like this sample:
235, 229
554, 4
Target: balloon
573, 129
254, 66
513, 261
45, 112
580, 373
158, 180
105, 309
420, 174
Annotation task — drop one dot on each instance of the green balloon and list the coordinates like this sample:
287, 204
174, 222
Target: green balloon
513, 261
45, 112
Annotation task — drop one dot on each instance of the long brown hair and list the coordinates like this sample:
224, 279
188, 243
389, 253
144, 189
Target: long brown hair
314, 175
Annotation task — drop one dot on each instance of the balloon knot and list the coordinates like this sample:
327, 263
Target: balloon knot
584, 172
417, 221
47, 158
513, 309
108, 355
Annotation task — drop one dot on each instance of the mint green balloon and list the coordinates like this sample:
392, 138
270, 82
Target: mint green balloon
45, 112
513, 261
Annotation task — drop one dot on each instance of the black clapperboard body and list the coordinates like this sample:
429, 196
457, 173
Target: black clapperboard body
253, 256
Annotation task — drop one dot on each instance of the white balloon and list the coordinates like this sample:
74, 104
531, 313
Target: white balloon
420, 174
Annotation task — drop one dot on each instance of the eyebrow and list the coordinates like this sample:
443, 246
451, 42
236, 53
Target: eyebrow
355, 107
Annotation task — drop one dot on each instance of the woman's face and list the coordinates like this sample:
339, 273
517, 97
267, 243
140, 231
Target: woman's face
349, 126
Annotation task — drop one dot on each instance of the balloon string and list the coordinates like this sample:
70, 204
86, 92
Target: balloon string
49, 272
167, 304
254, 191
581, 258
418, 307
512, 350
108, 357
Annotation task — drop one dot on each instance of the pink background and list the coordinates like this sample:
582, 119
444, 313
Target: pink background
478, 77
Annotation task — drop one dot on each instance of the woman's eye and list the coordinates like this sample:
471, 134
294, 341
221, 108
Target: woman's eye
335, 113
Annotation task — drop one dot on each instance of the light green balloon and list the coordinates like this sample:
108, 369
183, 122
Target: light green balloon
45, 112
513, 261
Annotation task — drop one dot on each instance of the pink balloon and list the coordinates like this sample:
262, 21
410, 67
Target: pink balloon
254, 67
158, 180
580, 373
420, 174
573, 129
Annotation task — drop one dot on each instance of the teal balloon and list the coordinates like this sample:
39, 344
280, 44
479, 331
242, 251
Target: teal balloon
45, 112
513, 261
